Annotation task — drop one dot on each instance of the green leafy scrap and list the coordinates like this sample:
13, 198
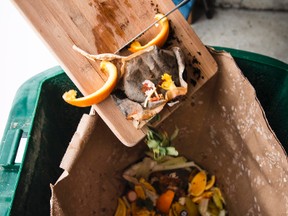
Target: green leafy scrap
160, 143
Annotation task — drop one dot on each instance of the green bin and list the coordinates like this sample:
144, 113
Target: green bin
44, 124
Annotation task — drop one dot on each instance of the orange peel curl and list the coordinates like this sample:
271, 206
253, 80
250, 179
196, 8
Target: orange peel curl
99, 95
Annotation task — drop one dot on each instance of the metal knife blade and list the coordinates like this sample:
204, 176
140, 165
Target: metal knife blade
151, 25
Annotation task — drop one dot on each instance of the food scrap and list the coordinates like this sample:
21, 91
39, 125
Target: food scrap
160, 143
149, 79
100, 94
160, 38
169, 185
141, 83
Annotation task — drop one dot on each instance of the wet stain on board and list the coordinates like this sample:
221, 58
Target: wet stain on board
127, 3
109, 25
99, 33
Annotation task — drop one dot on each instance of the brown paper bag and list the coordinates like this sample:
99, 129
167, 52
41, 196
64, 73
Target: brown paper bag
222, 128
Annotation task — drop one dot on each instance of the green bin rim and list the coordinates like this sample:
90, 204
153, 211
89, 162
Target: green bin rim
254, 57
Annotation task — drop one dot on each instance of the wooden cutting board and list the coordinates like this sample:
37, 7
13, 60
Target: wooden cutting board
101, 26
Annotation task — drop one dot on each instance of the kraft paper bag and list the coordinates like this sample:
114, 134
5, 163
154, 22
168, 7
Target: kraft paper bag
223, 129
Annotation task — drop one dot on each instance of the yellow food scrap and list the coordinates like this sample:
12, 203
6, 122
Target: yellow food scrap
210, 183
218, 198
204, 195
121, 208
140, 192
198, 184
147, 185
167, 83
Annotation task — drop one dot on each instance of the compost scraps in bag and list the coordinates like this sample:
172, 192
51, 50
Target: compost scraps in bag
222, 128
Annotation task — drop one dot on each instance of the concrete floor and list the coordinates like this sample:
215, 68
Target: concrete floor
263, 32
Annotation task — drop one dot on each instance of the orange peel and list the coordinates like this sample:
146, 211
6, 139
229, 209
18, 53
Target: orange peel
160, 38
210, 183
99, 95
198, 184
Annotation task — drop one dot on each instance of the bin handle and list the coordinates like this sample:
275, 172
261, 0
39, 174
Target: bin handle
23, 110
10, 149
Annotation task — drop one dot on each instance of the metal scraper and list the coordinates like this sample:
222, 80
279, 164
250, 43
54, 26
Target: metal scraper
152, 24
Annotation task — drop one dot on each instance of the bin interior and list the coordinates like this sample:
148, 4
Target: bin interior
51, 124
54, 123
